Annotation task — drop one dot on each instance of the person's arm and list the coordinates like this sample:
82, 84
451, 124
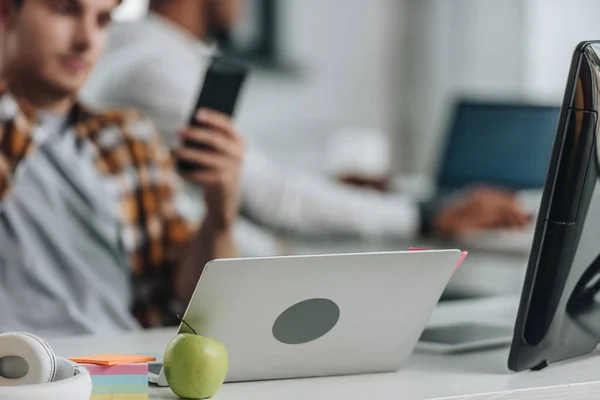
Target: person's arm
174, 249
210, 243
310, 204
218, 161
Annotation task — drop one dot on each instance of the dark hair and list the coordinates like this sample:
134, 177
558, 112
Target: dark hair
19, 3
156, 3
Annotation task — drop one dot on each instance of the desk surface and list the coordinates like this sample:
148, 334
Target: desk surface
426, 377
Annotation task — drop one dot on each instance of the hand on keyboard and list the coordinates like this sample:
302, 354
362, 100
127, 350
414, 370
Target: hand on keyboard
481, 209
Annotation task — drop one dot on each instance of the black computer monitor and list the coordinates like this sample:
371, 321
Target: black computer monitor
497, 143
559, 314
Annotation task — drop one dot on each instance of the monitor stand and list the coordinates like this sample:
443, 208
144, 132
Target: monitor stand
584, 304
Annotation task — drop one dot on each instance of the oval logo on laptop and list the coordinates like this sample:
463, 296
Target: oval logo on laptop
306, 321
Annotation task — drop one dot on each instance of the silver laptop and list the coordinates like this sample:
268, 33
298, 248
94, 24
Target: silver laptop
320, 315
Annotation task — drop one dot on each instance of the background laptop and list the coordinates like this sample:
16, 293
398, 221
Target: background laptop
503, 144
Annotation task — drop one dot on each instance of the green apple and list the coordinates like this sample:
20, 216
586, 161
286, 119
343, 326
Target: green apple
195, 366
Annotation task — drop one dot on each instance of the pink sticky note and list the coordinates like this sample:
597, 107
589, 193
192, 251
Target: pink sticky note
460, 261
120, 369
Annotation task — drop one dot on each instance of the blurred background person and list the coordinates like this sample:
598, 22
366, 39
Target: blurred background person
157, 64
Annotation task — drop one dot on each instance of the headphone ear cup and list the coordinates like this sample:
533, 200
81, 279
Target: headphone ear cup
37, 362
65, 369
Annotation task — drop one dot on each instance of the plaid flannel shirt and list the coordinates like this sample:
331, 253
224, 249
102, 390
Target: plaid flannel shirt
130, 154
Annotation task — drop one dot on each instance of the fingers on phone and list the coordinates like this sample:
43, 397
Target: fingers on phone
206, 138
204, 159
209, 140
216, 120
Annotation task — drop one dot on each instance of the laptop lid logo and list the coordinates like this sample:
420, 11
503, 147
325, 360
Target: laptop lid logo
306, 321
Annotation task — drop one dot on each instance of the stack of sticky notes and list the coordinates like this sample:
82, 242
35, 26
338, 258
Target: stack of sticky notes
117, 376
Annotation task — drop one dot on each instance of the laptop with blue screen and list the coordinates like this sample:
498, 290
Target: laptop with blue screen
497, 143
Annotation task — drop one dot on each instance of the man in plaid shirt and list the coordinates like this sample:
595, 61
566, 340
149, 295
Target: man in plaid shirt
92, 234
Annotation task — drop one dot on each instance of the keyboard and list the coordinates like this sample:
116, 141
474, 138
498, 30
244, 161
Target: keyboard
154, 368
503, 240
508, 240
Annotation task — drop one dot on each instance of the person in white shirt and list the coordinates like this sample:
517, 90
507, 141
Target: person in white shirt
156, 65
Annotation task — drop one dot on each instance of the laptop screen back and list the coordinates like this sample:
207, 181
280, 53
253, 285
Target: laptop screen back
500, 144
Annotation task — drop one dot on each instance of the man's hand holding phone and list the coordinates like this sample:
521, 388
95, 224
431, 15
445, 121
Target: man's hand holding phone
211, 156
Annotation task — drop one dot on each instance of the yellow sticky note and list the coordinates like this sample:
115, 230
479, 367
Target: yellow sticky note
119, 397
112, 359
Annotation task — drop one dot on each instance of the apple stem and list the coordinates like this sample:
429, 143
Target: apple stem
186, 324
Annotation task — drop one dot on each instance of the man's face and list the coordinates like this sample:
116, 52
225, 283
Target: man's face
56, 43
222, 15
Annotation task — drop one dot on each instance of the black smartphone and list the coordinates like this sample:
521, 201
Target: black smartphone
220, 91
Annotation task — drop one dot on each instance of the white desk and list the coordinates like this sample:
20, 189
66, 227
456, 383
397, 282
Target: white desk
426, 377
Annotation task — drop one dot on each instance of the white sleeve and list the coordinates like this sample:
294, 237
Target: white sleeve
311, 204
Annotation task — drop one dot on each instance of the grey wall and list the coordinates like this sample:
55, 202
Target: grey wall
510, 49
458, 47
349, 60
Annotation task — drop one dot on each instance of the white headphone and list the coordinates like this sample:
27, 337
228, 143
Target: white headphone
30, 370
